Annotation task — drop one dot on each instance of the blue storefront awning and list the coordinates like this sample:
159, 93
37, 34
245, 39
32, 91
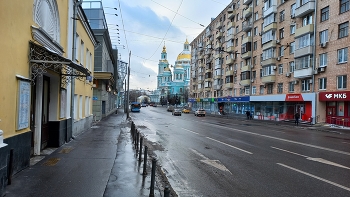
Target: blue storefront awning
234, 99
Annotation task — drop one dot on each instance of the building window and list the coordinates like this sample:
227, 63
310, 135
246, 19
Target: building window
281, 51
280, 69
323, 59
291, 86
261, 73
253, 90
344, 6
246, 90
279, 88
341, 82
324, 36
262, 89
343, 30
322, 83
269, 88
307, 20
291, 66
256, 16
342, 55
255, 31
325, 14
254, 60
291, 47
282, 33
305, 85
255, 45
282, 16
292, 29
292, 10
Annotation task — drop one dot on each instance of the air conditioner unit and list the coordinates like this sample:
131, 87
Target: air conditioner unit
315, 72
235, 71
321, 69
288, 74
295, 82
260, 33
310, 81
274, 67
292, 16
323, 44
278, 58
278, 41
252, 80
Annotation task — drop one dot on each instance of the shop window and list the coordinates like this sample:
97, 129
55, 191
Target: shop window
340, 109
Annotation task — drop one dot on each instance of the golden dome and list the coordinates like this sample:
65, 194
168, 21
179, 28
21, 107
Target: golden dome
184, 56
186, 42
164, 49
167, 69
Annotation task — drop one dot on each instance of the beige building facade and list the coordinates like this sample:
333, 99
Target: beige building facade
275, 58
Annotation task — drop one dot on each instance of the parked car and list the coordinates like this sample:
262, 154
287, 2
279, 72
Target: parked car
199, 112
186, 111
154, 105
143, 105
177, 112
170, 108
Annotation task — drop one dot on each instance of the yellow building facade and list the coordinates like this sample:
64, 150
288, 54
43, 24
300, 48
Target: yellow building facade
46, 89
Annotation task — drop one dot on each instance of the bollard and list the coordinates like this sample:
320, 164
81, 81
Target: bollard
137, 142
153, 175
167, 191
145, 161
141, 142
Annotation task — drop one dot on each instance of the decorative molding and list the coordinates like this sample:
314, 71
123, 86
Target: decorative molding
46, 40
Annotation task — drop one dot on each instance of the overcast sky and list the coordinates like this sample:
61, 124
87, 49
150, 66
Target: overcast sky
144, 25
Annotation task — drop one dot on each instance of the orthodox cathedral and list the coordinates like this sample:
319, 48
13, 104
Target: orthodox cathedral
173, 88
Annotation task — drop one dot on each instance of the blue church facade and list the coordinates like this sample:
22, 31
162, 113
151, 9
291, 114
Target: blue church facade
173, 87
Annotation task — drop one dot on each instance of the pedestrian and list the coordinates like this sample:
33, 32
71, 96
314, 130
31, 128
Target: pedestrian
296, 116
248, 114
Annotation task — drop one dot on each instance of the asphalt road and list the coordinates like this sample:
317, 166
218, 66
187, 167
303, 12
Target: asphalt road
209, 156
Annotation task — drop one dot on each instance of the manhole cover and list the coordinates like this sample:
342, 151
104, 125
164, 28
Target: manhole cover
51, 162
66, 150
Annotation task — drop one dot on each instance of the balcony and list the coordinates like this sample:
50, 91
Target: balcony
248, 12
207, 70
199, 90
268, 79
269, 61
305, 9
230, 13
217, 76
218, 25
245, 82
208, 79
200, 80
271, 26
247, 39
208, 34
229, 61
207, 89
217, 87
246, 55
270, 44
230, 37
247, 2
230, 49
230, 24
247, 26
201, 65
303, 51
304, 30
245, 68
270, 10
229, 85
303, 73
230, 72
218, 35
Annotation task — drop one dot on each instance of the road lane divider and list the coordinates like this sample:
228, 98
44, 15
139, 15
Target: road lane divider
284, 140
214, 163
316, 177
320, 160
190, 131
229, 145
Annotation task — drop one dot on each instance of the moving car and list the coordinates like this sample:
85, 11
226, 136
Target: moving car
143, 105
199, 112
170, 108
186, 111
177, 112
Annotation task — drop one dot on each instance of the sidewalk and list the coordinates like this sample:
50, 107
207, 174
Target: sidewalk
99, 162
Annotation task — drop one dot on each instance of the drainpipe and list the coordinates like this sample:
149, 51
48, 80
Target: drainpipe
251, 58
314, 66
76, 3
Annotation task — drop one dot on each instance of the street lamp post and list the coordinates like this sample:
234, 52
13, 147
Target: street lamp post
127, 109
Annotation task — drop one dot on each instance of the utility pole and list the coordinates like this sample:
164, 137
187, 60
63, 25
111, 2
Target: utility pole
127, 108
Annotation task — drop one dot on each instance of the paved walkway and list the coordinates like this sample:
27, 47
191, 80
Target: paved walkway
99, 162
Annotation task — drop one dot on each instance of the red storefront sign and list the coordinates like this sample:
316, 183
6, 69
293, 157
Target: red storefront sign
334, 96
294, 97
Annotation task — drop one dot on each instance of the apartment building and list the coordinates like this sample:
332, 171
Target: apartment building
275, 58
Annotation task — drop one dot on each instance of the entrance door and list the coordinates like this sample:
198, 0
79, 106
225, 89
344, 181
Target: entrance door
331, 111
45, 113
300, 108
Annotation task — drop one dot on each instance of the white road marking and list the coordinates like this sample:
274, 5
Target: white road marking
190, 131
230, 145
215, 163
314, 159
284, 140
316, 177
